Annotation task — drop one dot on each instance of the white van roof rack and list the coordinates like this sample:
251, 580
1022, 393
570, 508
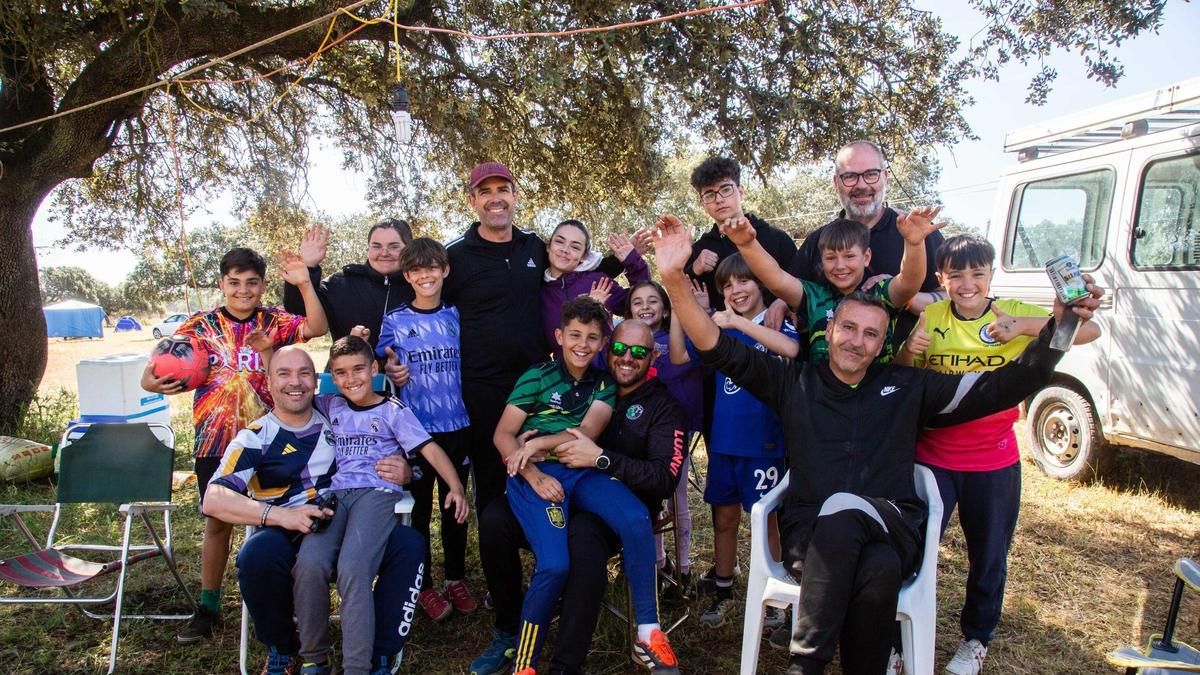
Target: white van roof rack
1174, 106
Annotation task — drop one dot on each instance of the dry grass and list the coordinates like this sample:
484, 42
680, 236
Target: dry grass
1089, 571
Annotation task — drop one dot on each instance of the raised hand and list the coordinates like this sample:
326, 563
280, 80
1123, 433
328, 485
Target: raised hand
601, 290
621, 245
1004, 327
738, 230
314, 244
396, 372
919, 339
700, 292
260, 340
642, 240
725, 318
866, 285
361, 331
672, 244
292, 269
919, 224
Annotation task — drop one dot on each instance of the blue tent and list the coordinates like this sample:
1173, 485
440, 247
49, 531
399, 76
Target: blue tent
127, 323
71, 318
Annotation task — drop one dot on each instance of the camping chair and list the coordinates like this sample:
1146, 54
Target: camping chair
112, 463
665, 524
404, 509
770, 584
1164, 655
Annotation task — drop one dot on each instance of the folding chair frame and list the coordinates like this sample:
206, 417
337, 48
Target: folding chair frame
129, 551
404, 509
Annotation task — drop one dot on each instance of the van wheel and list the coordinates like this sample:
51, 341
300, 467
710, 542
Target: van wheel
1065, 434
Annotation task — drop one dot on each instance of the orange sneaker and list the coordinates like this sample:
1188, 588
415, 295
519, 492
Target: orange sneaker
655, 654
527, 671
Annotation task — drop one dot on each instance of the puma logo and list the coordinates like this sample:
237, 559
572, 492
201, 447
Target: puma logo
941, 332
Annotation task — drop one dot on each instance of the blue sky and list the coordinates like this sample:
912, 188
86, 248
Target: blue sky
970, 169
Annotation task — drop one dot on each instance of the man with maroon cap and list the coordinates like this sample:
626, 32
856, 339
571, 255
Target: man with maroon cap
495, 280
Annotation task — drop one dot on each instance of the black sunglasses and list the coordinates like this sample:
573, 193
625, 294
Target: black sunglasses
637, 351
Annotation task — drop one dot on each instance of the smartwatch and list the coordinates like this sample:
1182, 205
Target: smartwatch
603, 461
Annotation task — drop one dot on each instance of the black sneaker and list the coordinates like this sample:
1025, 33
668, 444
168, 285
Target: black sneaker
199, 627
706, 584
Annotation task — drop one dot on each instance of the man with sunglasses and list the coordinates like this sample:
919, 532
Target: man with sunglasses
860, 178
643, 447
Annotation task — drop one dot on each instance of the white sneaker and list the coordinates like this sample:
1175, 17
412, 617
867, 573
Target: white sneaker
968, 659
895, 663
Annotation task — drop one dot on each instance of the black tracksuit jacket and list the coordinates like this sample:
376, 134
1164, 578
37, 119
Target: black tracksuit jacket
862, 440
497, 290
646, 442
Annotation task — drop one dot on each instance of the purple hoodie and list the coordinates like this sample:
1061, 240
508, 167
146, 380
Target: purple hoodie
555, 292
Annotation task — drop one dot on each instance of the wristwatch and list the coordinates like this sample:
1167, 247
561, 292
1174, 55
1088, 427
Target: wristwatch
603, 461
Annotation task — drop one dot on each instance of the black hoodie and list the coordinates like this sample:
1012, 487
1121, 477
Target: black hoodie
358, 295
778, 243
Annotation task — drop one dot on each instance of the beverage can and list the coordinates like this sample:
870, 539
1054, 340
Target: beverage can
1066, 278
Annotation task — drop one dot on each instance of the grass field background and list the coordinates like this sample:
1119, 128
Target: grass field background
1089, 572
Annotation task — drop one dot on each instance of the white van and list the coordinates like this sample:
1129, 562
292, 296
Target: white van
1118, 188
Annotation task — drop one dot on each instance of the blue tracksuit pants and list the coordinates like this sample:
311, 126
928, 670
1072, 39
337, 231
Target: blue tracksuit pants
545, 525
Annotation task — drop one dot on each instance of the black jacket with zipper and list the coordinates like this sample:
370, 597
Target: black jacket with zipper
497, 290
862, 439
646, 442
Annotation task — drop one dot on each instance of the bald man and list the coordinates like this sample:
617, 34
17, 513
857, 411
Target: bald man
643, 447
270, 476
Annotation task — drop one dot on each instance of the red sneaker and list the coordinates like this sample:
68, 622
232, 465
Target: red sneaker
655, 654
460, 596
434, 604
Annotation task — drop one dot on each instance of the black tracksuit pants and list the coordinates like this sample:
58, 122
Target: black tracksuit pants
851, 557
591, 545
485, 403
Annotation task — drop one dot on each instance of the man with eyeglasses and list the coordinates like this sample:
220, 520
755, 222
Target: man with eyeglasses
860, 177
643, 447
718, 183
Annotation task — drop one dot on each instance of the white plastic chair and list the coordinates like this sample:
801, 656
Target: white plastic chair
770, 584
404, 509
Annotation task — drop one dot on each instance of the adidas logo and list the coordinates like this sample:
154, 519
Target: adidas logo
412, 333
288, 449
531, 263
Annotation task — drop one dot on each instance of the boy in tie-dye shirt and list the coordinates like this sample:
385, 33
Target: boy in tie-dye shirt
235, 392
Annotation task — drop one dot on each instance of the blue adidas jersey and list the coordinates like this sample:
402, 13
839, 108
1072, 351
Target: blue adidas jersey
743, 425
428, 342
277, 464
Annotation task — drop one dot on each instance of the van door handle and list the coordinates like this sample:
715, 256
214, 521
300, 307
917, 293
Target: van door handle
1139, 233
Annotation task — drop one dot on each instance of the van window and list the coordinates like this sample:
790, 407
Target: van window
1166, 234
1065, 214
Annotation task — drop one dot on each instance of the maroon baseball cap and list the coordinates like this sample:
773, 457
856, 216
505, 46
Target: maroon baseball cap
487, 170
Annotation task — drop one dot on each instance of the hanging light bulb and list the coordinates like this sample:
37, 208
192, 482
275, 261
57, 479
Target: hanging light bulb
401, 119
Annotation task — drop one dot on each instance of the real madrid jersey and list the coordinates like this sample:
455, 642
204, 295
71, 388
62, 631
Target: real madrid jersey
363, 435
743, 425
428, 342
957, 346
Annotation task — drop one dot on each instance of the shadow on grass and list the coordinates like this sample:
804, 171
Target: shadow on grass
1137, 471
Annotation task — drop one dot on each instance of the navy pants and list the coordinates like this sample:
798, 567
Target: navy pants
265, 578
988, 503
545, 525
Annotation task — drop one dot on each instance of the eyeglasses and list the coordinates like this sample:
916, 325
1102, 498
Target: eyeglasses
710, 196
870, 177
638, 352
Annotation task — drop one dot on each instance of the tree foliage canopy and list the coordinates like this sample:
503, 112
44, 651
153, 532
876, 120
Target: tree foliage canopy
584, 120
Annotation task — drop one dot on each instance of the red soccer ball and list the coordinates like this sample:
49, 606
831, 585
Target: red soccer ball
181, 358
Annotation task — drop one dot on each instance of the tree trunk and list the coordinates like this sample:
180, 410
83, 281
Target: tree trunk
22, 324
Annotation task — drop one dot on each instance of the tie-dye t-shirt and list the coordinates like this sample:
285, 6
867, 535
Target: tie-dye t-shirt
235, 392
363, 435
